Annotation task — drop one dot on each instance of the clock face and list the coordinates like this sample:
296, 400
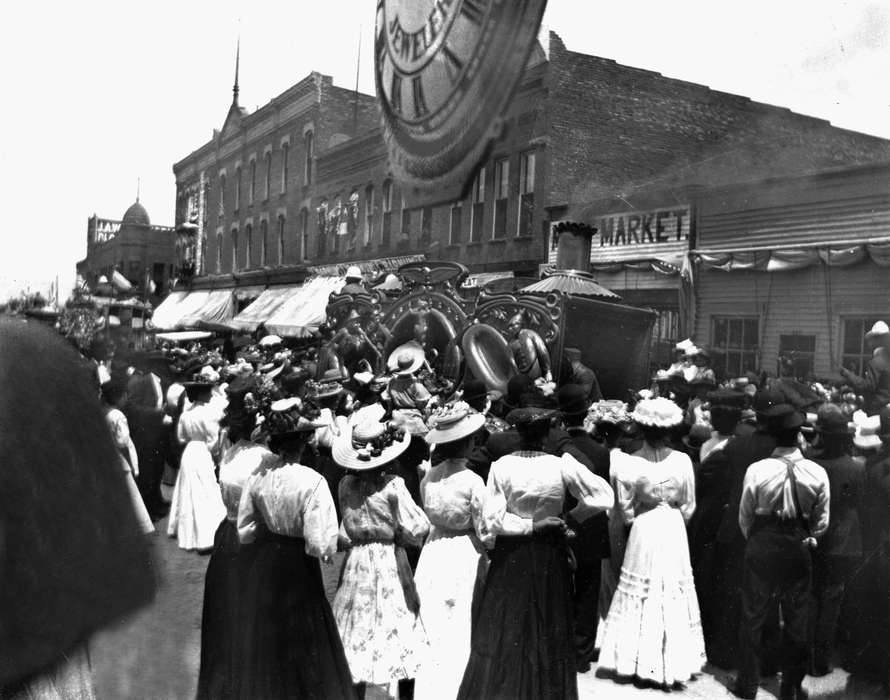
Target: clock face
445, 70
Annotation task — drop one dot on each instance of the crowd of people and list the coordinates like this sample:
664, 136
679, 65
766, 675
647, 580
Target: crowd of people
498, 544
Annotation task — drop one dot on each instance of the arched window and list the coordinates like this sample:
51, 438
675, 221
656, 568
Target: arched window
386, 206
222, 195
264, 242
237, 188
235, 249
321, 219
219, 255
285, 152
369, 213
248, 252
308, 145
304, 234
281, 239
251, 186
267, 188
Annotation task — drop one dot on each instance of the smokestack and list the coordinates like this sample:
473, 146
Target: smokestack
573, 246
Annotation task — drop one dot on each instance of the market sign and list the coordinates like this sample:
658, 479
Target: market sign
637, 235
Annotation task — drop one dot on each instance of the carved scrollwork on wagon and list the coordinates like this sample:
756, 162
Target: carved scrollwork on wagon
356, 330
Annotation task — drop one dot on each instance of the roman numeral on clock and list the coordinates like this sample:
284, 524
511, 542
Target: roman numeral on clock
420, 108
395, 93
474, 10
453, 65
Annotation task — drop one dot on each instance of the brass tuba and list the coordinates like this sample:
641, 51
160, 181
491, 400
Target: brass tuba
488, 356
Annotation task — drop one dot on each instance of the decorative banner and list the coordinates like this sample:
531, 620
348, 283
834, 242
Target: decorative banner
659, 234
445, 71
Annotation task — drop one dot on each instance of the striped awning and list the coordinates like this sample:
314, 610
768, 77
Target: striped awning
174, 307
263, 307
217, 309
301, 314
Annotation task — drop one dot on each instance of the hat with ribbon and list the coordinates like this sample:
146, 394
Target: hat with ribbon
369, 445
288, 416
452, 423
207, 377
879, 329
406, 359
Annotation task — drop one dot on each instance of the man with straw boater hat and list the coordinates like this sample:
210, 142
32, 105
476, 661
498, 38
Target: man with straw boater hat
874, 384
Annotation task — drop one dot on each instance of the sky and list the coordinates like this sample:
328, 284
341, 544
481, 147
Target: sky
101, 93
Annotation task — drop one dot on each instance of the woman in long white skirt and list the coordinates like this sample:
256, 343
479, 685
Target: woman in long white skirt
653, 630
453, 560
197, 508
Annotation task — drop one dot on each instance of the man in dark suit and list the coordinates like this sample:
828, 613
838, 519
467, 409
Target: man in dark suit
591, 542
582, 375
145, 414
726, 587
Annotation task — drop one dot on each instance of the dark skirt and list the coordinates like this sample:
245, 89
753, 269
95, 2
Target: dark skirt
292, 648
221, 630
522, 643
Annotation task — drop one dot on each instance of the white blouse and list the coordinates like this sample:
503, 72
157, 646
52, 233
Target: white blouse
200, 422
645, 485
453, 499
291, 500
237, 463
120, 434
524, 487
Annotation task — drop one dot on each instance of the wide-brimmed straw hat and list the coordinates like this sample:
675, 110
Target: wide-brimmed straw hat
520, 417
657, 413
268, 340
369, 445
406, 359
453, 423
207, 377
329, 385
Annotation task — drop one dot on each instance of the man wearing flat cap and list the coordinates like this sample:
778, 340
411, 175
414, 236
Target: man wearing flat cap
783, 512
874, 384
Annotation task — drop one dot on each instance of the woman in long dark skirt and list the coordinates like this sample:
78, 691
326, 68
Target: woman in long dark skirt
291, 645
221, 629
523, 644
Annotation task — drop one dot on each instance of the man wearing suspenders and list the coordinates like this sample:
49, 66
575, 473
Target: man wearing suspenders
782, 513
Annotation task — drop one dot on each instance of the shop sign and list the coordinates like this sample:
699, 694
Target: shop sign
637, 235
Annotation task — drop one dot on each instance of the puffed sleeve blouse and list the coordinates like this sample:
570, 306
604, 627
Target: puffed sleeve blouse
370, 507
120, 434
646, 485
527, 486
200, 422
453, 499
290, 500
237, 463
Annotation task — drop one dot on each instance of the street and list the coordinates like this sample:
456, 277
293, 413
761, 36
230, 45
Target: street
154, 654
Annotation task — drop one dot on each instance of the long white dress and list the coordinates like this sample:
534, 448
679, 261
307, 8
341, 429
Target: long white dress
196, 508
120, 434
653, 630
452, 564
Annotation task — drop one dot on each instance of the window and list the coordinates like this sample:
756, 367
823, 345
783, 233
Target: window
322, 226
308, 145
281, 239
304, 234
237, 188
454, 228
386, 204
734, 345
856, 352
369, 213
222, 196
219, 255
248, 253
797, 353
426, 226
665, 334
352, 220
251, 186
477, 213
267, 188
285, 151
526, 193
501, 184
234, 249
405, 231
264, 242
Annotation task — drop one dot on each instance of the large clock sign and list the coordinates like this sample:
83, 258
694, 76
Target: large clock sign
445, 72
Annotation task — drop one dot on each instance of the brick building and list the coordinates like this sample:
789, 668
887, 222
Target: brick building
143, 253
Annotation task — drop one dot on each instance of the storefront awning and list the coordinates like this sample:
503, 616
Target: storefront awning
248, 293
301, 314
782, 260
183, 336
170, 310
480, 279
218, 308
262, 308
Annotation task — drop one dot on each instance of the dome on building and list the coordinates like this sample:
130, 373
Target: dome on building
136, 215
